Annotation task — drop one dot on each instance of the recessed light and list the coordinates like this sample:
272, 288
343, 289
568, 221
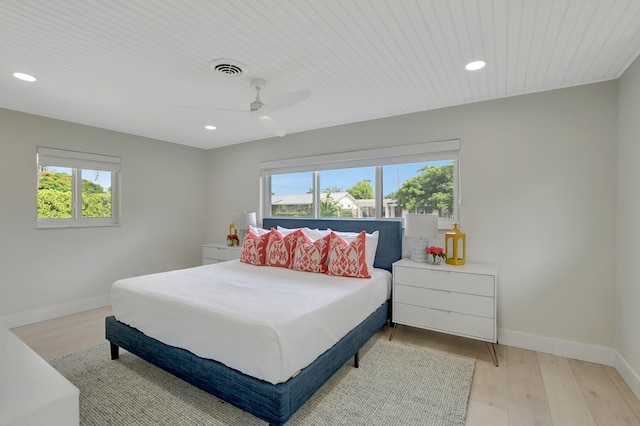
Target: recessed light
24, 77
210, 127
475, 65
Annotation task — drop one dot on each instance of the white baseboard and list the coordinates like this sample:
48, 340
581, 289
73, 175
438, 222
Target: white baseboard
575, 350
50, 312
630, 377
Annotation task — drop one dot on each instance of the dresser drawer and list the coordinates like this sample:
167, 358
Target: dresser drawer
444, 321
213, 254
478, 284
471, 304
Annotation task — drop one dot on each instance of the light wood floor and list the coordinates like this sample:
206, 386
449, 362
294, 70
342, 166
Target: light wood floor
529, 388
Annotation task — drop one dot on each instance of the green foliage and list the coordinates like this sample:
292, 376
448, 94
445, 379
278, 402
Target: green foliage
89, 187
362, 190
53, 203
55, 197
55, 180
96, 205
329, 207
430, 191
305, 213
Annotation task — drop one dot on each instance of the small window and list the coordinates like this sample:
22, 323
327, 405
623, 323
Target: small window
76, 189
292, 194
348, 192
425, 187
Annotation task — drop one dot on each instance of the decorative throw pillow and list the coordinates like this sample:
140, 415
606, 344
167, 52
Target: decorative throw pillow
254, 248
280, 248
311, 256
371, 246
348, 259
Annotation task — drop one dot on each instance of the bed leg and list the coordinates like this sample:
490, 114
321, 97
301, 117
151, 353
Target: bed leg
356, 360
114, 351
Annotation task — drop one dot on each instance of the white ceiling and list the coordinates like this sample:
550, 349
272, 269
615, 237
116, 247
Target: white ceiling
132, 65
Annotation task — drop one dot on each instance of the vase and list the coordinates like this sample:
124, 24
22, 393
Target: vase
434, 261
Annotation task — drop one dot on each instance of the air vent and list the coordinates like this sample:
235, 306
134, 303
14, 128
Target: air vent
227, 67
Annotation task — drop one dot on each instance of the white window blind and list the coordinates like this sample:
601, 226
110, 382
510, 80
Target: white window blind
427, 151
77, 160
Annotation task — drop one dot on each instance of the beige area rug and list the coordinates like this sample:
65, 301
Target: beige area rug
396, 384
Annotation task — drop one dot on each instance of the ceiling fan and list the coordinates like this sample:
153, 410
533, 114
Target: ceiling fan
261, 110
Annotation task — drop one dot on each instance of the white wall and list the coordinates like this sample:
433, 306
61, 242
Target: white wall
628, 301
50, 272
539, 200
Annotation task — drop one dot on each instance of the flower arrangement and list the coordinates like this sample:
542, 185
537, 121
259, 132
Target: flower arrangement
233, 240
232, 236
437, 254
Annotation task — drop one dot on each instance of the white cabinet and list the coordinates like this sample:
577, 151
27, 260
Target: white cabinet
458, 300
219, 252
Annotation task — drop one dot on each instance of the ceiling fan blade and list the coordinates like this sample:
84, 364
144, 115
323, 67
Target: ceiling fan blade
272, 125
210, 107
285, 101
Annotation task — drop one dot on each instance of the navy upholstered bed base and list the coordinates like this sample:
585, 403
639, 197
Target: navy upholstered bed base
272, 403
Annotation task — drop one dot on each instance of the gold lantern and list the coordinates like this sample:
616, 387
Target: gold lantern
456, 246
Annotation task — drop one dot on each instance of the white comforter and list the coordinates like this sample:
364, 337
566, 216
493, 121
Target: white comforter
266, 322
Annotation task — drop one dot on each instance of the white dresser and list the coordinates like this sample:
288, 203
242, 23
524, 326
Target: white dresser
31, 391
219, 252
458, 300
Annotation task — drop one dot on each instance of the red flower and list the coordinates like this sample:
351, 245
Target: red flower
436, 252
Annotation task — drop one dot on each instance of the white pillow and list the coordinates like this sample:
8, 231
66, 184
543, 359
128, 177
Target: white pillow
316, 234
313, 234
259, 231
286, 231
371, 245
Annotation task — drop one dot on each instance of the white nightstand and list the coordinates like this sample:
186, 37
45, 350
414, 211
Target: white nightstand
219, 252
458, 300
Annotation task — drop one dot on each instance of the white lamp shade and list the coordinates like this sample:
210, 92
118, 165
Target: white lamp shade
244, 220
421, 225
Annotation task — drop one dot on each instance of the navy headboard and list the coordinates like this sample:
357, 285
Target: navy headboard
389, 239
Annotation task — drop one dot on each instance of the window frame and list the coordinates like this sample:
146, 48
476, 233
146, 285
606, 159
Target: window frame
77, 162
377, 157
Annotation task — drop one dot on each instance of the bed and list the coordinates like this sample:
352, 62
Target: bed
273, 399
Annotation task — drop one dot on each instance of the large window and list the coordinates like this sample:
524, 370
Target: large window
378, 183
76, 189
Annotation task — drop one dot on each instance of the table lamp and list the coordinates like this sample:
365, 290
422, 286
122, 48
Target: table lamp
422, 227
242, 222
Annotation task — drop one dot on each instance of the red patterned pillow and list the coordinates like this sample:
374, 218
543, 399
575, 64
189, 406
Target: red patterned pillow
348, 260
280, 248
254, 248
311, 256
